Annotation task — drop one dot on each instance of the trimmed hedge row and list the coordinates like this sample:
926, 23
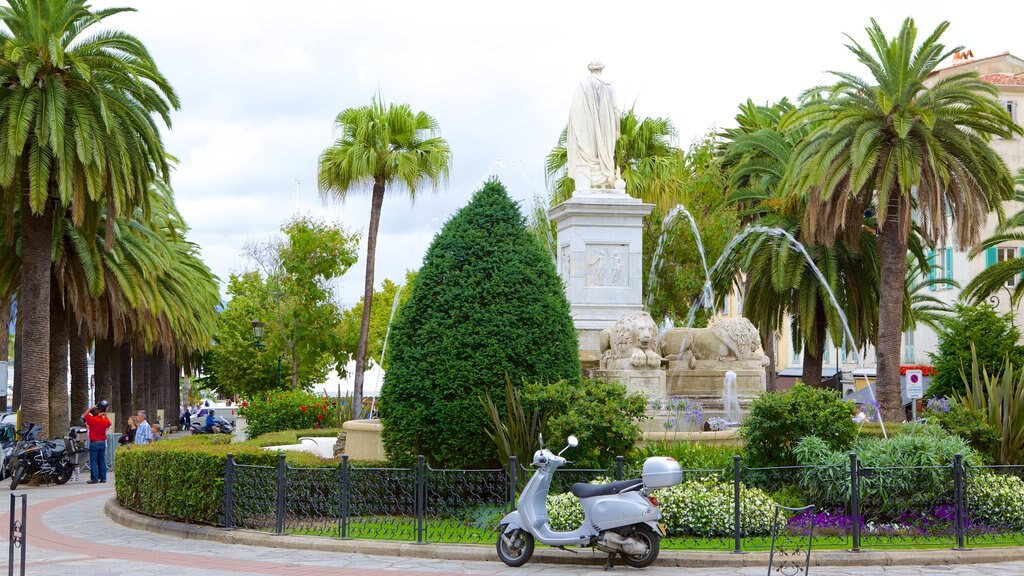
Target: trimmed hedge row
285, 437
183, 479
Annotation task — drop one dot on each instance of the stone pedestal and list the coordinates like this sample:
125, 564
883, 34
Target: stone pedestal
650, 383
600, 258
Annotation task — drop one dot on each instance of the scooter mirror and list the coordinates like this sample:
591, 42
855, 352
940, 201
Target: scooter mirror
573, 441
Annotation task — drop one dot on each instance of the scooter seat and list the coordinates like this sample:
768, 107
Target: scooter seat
584, 490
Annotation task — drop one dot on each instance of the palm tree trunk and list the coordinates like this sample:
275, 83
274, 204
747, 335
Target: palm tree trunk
101, 368
769, 370
5, 343
34, 313
364, 327
140, 382
173, 393
115, 377
124, 384
812, 362
79, 374
892, 255
153, 375
16, 393
58, 383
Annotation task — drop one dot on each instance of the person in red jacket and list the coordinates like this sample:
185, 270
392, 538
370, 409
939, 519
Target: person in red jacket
97, 422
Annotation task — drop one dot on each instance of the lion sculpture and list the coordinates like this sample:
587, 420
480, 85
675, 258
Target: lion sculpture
631, 344
729, 339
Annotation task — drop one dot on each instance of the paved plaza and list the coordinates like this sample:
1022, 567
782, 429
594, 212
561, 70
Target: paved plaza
68, 533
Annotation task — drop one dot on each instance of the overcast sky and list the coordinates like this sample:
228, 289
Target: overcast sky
261, 83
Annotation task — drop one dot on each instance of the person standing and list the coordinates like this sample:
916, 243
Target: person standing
143, 433
97, 422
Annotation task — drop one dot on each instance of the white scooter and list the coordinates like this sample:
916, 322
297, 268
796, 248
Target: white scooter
618, 518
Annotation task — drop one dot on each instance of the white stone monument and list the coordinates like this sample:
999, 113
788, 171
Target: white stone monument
600, 229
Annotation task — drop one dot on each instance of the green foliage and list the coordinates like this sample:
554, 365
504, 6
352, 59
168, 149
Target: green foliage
380, 316
288, 410
486, 302
690, 455
969, 425
997, 499
918, 468
515, 434
602, 416
994, 337
778, 421
999, 400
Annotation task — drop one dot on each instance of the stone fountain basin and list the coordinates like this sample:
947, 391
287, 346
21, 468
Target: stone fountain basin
321, 446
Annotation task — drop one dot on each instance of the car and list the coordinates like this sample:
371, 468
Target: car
223, 410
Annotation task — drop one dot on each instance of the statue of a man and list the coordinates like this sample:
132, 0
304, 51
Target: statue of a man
593, 131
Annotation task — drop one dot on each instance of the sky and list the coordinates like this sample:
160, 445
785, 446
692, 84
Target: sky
262, 82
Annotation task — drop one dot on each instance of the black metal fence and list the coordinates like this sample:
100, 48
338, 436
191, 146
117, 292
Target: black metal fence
849, 505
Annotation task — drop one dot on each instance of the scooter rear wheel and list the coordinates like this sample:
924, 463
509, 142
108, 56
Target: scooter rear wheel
646, 536
514, 548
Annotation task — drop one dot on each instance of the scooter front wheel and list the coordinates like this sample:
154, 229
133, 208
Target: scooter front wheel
514, 548
645, 536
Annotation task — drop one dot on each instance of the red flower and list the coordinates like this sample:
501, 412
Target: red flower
245, 404
303, 408
319, 416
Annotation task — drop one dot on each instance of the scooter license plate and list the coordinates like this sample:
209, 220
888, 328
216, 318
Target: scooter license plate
661, 528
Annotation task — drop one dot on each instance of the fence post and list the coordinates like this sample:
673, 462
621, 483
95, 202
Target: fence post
512, 476
855, 501
958, 500
618, 468
421, 493
345, 491
282, 487
16, 534
229, 492
736, 502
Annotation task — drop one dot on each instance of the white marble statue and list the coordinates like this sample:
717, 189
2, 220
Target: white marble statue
593, 131
730, 340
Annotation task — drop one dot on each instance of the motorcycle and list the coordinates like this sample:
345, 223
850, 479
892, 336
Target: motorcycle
50, 461
618, 518
224, 425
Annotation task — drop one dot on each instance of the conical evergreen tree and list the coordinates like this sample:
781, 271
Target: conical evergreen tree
486, 302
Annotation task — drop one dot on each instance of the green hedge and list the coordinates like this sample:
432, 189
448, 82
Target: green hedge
285, 437
183, 479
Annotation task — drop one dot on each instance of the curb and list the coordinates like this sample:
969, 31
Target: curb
483, 553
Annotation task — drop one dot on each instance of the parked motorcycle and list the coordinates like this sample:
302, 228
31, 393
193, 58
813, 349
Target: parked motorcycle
50, 461
224, 425
618, 518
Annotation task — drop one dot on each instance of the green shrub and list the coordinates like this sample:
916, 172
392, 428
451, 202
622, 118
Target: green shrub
969, 425
778, 421
602, 416
564, 512
994, 337
998, 398
289, 410
487, 301
285, 437
691, 456
916, 469
997, 499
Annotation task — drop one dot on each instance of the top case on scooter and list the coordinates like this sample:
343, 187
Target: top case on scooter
661, 472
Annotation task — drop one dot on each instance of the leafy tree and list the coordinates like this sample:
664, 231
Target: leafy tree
898, 143
486, 302
994, 338
386, 147
78, 114
380, 317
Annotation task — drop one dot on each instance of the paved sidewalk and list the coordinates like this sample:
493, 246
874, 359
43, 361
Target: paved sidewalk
68, 533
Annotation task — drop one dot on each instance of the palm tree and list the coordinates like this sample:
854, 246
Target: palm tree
382, 146
650, 164
1001, 274
894, 143
77, 113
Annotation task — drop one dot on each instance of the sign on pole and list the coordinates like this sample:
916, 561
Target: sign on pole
915, 384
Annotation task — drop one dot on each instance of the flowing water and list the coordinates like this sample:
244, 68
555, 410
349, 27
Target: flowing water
730, 398
384, 347
707, 294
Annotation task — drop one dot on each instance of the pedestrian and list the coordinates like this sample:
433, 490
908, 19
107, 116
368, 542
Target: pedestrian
97, 422
211, 423
156, 433
143, 433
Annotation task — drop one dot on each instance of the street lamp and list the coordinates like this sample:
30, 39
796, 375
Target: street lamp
257, 334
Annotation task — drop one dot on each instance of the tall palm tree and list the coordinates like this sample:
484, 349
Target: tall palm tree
1001, 274
381, 147
893, 142
77, 113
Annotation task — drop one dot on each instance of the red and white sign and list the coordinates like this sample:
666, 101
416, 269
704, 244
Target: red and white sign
915, 384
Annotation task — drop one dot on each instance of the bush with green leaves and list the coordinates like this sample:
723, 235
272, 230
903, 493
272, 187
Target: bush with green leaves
996, 499
969, 425
604, 417
994, 336
288, 410
487, 301
915, 469
779, 420
690, 455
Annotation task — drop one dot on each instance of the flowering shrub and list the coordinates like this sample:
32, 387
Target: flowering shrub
683, 409
997, 499
289, 410
716, 424
925, 370
701, 507
937, 405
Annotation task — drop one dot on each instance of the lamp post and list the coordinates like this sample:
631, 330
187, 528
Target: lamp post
257, 334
